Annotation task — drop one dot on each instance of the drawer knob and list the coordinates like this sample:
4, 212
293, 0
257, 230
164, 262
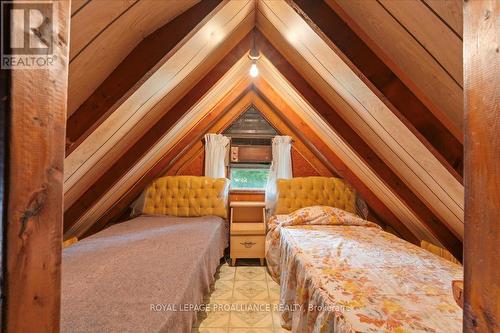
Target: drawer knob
248, 244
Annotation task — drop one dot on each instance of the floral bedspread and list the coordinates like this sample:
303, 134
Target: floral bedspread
339, 273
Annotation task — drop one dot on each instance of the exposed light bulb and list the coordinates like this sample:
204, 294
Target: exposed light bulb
254, 71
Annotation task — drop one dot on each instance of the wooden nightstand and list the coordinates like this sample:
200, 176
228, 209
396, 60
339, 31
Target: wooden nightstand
248, 230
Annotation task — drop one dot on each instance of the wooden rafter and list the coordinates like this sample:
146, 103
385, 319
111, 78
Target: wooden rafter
350, 136
285, 115
340, 86
408, 58
219, 118
380, 78
151, 53
169, 83
99, 30
357, 143
121, 166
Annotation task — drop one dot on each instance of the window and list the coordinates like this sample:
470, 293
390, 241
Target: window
249, 176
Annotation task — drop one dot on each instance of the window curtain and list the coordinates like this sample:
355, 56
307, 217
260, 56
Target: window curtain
216, 150
281, 167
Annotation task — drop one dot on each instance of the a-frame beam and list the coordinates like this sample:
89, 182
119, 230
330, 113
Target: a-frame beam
384, 83
286, 116
357, 143
364, 111
153, 51
219, 118
126, 161
413, 59
482, 167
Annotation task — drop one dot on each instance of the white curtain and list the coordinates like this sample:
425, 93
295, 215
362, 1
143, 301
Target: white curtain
281, 167
216, 149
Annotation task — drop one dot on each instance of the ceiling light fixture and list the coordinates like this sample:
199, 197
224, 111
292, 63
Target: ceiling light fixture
254, 55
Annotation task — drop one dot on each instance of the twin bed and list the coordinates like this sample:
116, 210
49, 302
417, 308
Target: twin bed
142, 275
340, 273
337, 272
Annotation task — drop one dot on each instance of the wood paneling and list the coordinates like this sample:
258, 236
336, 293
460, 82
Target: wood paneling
379, 77
301, 167
413, 64
76, 5
173, 124
340, 86
192, 164
185, 151
300, 130
450, 11
364, 152
482, 168
224, 69
155, 97
195, 166
96, 62
433, 34
33, 235
216, 119
137, 67
92, 20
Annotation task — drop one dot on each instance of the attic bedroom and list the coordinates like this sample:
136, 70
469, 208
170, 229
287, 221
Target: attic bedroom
250, 166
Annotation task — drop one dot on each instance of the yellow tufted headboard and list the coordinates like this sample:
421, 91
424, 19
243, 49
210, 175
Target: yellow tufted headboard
187, 196
303, 192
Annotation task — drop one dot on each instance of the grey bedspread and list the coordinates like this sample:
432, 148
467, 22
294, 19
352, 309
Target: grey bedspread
113, 279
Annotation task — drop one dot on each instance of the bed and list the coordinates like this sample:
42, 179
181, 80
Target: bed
341, 273
145, 274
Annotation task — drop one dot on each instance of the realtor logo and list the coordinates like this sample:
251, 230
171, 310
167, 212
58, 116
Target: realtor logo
31, 43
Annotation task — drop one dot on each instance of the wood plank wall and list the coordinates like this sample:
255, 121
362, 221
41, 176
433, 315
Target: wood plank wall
33, 234
482, 167
193, 165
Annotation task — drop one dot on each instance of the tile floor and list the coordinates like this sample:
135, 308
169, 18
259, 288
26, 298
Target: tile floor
243, 300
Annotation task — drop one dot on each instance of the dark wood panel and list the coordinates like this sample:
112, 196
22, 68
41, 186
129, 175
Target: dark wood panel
399, 98
140, 148
33, 235
135, 69
482, 167
439, 229
195, 166
301, 167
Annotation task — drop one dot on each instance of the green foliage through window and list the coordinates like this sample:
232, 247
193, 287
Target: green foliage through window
248, 178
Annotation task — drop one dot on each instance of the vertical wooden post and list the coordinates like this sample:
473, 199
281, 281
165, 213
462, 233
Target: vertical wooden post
482, 166
33, 238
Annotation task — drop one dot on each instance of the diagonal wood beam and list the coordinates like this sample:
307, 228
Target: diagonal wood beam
287, 116
384, 83
140, 148
338, 124
342, 88
149, 54
216, 121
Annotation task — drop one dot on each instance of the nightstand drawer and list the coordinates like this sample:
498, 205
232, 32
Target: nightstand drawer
247, 246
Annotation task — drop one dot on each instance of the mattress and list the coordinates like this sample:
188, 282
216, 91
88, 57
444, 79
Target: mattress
353, 277
142, 275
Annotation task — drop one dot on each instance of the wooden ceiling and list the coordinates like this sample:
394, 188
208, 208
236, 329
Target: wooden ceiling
149, 78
